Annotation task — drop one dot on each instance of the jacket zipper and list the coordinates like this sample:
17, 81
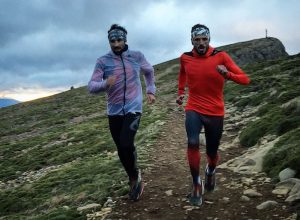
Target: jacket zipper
124, 97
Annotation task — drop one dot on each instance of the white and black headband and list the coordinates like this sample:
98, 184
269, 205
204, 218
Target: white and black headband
200, 31
116, 34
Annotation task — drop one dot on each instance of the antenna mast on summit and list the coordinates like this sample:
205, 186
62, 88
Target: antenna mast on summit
266, 33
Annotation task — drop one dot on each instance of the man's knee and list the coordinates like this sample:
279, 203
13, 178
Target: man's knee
193, 145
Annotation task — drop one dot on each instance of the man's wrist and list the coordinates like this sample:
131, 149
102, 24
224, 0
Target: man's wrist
226, 75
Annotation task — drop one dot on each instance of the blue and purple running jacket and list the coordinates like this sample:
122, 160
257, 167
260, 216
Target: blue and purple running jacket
126, 94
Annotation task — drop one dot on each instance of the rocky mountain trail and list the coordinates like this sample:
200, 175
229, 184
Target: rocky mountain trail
238, 195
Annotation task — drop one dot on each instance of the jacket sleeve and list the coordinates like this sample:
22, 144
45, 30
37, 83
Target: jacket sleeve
148, 72
97, 83
235, 73
181, 78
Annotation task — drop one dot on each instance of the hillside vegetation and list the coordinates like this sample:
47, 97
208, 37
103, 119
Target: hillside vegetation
275, 93
57, 154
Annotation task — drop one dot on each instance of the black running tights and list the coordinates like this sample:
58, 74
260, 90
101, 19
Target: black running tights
123, 130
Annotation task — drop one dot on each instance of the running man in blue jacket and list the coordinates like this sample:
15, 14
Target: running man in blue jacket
118, 74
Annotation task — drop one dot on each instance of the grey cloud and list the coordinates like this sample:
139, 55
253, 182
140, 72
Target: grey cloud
56, 42
54, 35
21, 17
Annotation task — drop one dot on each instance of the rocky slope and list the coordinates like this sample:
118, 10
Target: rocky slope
257, 50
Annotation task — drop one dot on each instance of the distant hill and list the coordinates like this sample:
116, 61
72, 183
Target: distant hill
56, 153
252, 51
257, 50
7, 102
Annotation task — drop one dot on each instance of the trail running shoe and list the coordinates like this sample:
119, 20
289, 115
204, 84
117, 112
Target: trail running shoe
210, 180
136, 188
195, 197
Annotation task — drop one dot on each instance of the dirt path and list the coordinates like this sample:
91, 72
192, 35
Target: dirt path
168, 182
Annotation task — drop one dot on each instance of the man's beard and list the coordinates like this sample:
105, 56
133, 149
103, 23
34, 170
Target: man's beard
201, 49
119, 50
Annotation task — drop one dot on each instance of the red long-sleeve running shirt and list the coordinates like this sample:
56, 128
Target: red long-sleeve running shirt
205, 84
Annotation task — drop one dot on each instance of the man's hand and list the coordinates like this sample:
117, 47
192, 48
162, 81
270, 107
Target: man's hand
179, 99
111, 80
222, 70
150, 98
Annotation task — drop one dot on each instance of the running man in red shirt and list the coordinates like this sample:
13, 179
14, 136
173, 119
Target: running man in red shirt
204, 71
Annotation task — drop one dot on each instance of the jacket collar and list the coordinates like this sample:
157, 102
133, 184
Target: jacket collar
124, 51
207, 54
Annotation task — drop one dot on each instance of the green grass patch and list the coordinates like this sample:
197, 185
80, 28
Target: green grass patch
285, 153
69, 130
81, 182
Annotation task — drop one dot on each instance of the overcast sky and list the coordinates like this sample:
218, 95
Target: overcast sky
47, 46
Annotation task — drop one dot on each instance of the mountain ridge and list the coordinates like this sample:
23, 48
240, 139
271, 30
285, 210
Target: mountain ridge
251, 51
256, 50
4, 102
